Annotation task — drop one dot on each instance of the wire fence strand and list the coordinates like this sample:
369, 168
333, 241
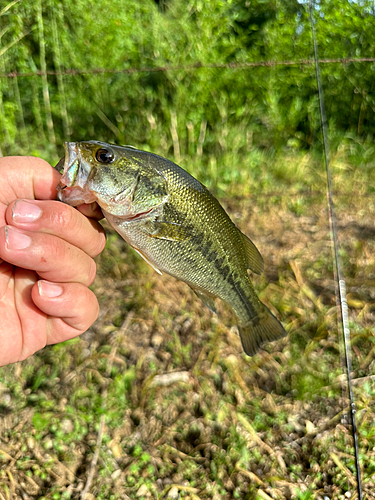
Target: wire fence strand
187, 67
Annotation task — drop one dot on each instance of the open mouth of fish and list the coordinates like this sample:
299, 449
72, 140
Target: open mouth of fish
73, 186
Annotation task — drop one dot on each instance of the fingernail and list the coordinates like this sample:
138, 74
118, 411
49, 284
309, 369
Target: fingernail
15, 240
23, 211
48, 289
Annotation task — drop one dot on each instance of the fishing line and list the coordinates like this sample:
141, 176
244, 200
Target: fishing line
339, 276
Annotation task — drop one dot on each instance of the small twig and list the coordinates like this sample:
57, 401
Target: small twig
94, 461
95, 458
112, 127
10, 45
125, 324
250, 429
7, 7
253, 477
183, 455
12, 482
263, 494
166, 379
361, 380
174, 134
31, 480
325, 427
345, 470
181, 487
6, 455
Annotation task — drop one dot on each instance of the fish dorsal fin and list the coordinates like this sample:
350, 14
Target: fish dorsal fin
254, 259
206, 299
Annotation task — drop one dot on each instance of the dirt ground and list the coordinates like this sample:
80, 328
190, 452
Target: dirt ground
157, 400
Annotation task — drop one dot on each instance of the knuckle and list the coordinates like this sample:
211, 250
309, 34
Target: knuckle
54, 253
84, 321
94, 309
50, 256
63, 217
91, 273
68, 261
76, 227
98, 244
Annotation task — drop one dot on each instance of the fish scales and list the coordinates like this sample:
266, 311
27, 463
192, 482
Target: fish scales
175, 224
205, 246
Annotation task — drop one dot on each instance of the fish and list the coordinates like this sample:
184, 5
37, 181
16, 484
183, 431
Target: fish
175, 224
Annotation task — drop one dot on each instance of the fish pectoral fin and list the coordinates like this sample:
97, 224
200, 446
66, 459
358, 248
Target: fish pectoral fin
263, 328
169, 231
254, 259
206, 299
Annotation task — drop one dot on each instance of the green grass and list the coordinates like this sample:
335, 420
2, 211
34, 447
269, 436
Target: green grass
252, 171
229, 426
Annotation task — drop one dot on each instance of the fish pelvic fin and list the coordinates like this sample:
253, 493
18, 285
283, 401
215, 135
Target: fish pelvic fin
263, 328
148, 261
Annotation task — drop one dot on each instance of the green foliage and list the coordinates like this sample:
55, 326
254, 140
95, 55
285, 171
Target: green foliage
208, 113
243, 132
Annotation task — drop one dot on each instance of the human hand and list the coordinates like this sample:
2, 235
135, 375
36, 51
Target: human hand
46, 263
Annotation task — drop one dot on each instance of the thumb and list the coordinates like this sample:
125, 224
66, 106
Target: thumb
27, 177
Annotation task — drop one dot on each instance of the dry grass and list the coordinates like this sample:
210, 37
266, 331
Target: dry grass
186, 414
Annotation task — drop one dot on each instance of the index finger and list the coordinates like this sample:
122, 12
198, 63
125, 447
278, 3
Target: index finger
57, 219
27, 177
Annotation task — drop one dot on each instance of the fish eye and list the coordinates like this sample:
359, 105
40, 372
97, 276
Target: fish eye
104, 155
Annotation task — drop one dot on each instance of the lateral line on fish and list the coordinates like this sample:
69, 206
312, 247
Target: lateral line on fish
236, 286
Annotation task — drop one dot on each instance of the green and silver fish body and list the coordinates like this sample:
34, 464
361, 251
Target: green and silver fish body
175, 224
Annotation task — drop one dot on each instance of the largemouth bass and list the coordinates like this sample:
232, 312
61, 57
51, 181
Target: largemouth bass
175, 224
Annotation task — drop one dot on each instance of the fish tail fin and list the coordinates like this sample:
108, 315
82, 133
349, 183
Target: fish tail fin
263, 328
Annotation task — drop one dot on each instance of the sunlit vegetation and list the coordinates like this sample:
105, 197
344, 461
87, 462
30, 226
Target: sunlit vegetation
182, 412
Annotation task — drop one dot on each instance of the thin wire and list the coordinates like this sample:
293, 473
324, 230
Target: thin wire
188, 67
340, 278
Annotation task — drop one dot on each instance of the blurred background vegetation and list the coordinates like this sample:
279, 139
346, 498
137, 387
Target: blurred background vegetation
159, 386
259, 114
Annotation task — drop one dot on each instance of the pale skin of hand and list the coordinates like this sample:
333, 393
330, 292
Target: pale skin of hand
46, 264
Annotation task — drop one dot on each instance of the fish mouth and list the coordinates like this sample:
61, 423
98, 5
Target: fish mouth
72, 187
60, 165
69, 165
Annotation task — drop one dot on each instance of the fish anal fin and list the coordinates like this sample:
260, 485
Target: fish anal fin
206, 299
264, 328
254, 259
